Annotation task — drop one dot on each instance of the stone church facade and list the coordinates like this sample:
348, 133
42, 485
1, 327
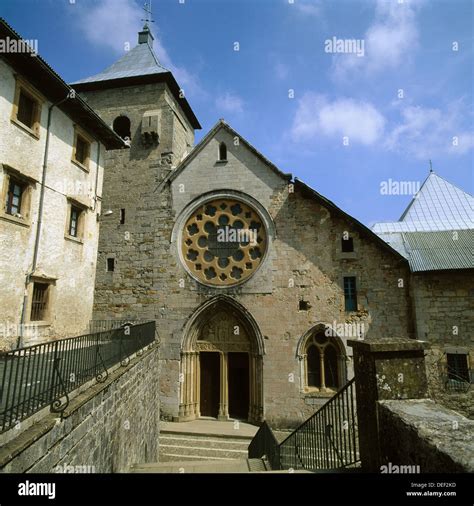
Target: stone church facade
256, 281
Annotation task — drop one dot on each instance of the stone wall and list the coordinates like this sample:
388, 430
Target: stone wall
107, 428
70, 262
444, 309
421, 433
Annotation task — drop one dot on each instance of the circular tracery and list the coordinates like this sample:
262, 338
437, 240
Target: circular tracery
223, 242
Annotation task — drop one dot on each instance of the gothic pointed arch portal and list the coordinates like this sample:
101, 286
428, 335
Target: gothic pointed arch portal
221, 363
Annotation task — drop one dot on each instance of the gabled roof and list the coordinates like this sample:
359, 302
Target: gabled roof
438, 205
205, 140
36, 71
138, 66
435, 232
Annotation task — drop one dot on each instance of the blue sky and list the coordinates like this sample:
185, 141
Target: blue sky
294, 101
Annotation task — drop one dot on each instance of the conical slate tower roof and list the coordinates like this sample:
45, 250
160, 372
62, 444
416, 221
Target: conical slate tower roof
139, 61
138, 66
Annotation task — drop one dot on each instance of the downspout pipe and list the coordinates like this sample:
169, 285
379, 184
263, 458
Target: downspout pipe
40, 219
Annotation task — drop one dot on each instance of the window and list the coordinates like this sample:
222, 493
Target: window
347, 245
16, 190
323, 360
121, 127
110, 264
27, 107
458, 367
16, 196
74, 221
26, 110
350, 293
39, 301
122, 216
222, 152
81, 149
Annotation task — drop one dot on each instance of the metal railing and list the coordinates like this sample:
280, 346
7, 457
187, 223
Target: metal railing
327, 440
45, 374
265, 444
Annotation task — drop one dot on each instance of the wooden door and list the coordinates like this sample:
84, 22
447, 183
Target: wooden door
210, 371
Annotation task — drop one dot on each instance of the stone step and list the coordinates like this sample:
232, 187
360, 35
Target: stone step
196, 440
205, 451
183, 457
203, 466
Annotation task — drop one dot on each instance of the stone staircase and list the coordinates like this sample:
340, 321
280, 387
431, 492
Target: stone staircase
184, 446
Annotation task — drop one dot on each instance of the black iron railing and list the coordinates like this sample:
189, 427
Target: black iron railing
327, 440
103, 325
455, 382
45, 374
265, 444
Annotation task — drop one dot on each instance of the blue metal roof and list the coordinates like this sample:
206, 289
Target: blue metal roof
436, 231
139, 61
439, 205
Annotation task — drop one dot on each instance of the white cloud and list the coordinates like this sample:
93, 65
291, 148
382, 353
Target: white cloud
308, 7
316, 116
114, 24
389, 42
230, 103
426, 132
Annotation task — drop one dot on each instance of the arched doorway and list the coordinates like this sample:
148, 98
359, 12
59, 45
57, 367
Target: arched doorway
221, 363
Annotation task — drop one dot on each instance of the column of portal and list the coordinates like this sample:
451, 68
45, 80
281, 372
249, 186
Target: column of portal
224, 390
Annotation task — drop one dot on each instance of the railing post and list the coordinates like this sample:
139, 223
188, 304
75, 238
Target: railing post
56, 405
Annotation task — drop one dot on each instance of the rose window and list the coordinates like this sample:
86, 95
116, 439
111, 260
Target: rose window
223, 242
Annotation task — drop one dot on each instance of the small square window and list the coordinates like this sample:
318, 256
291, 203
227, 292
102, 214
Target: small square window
457, 367
110, 264
16, 190
347, 245
39, 302
122, 216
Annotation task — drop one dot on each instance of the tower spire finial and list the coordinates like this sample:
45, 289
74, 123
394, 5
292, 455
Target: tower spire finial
148, 17
145, 36
431, 167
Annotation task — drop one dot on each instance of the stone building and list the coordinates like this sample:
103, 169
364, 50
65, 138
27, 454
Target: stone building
435, 234
52, 149
256, 281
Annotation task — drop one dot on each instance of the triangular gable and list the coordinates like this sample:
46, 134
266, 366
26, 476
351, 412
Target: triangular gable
221, 124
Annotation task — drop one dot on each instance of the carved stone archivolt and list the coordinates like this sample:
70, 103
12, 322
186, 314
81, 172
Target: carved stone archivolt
223, 242
220, 330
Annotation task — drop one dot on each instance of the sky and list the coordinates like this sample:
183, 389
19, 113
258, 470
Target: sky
347, 95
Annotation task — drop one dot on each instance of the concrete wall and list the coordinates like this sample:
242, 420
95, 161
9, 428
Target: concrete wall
107, 428
72, 263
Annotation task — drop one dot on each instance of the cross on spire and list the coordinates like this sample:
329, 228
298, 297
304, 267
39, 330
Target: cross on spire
148, 17
431, 167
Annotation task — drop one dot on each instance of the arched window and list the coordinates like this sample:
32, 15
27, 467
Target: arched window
121, 127
314, 366
323, 362
222, 152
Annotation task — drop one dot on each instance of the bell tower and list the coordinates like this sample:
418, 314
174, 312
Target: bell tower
141, 100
